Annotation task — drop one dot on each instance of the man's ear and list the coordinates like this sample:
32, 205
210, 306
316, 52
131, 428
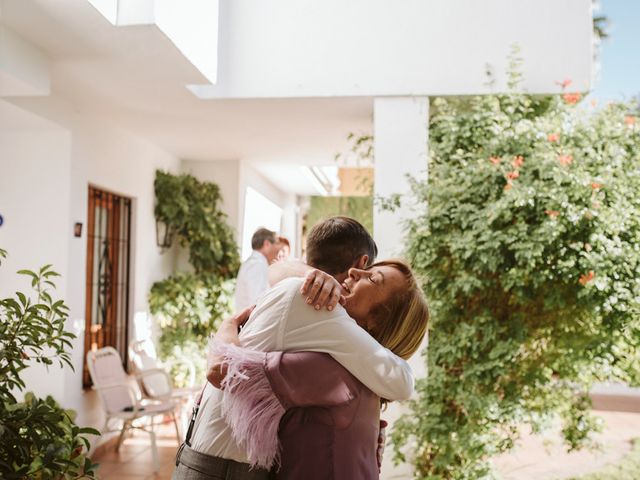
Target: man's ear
363, 262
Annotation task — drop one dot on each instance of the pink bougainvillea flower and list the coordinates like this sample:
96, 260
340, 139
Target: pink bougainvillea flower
552, 213
495, 160
565, 159
629, 120
587, 277
553, 137
513, 175
572, 98
517, 161
508, 185
596, 185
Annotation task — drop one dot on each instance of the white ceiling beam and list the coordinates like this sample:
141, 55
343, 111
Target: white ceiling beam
330, 48
24, 69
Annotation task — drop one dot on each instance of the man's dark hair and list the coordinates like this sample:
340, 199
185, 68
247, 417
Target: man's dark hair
260, 236
335, 244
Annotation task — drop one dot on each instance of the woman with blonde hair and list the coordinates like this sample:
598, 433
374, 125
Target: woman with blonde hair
328, 421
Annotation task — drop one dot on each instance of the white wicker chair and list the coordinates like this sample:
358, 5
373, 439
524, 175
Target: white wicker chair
152, 376
120, 397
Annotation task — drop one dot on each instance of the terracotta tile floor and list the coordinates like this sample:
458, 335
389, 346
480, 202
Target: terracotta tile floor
134, 460
536, 457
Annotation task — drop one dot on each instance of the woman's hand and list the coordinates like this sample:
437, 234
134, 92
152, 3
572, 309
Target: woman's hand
322, 290
238, 320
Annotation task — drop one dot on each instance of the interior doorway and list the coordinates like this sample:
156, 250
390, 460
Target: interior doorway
107, 280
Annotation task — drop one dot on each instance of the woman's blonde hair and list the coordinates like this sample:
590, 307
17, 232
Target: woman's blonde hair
401, 321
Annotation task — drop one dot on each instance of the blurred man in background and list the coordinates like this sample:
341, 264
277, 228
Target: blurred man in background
253, 274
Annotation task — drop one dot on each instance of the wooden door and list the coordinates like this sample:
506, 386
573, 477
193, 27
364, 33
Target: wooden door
107, 281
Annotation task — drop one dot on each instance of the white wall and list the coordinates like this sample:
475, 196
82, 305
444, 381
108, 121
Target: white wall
34, 201
250, 177
59, 172
115, 161
233, 177
226, 174
121, 163
299, 48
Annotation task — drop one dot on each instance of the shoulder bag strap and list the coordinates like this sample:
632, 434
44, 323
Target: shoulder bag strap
194, 414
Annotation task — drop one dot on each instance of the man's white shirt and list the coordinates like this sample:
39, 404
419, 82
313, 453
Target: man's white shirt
253, 280
283, 321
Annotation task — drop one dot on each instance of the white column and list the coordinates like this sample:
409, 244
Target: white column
401, 127
401, 136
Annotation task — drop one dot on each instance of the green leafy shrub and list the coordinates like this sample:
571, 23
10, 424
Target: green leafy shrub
530, 240
189, 305
39, 438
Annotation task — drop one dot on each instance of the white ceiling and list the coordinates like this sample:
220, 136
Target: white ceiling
136, 78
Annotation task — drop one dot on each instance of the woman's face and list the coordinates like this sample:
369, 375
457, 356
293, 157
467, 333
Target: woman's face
367, 288
283, 254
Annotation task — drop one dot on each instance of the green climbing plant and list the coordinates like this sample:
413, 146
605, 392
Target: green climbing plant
529, 240
192, 210
189, 305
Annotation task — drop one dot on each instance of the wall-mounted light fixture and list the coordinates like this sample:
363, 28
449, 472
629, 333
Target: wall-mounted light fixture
164, 234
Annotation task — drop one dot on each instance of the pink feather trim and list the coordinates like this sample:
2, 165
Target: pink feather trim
250, 407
